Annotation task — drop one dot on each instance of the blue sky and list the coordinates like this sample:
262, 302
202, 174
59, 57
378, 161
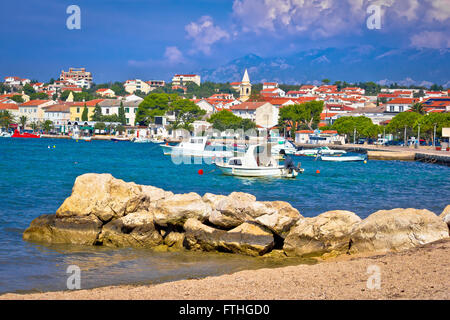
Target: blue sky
149, 39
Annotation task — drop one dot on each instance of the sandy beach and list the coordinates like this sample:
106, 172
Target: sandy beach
419, 273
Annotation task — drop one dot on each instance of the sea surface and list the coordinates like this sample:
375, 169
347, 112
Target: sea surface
36, 175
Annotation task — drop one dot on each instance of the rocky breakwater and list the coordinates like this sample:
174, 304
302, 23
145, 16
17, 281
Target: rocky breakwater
103, 210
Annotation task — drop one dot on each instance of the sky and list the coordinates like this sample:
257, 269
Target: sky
153, 39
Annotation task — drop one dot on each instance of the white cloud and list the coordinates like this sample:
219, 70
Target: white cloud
430, 39
172, 56
327, 18
205, 34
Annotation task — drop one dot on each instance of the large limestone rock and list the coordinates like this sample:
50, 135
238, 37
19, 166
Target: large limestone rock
280, 217
213, 199
445, 215
248, 238
329, 231
102, 195
236, 209
49, 228
177, 209
153, 194
134, 230
397, 229
174, 239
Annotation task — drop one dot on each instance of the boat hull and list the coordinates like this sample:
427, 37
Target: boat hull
342, 159
257, 172
17, 134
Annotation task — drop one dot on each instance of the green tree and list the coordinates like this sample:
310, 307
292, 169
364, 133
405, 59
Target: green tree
84, 114
100, 126
122, 118
35, 125
17, 98
155, 104
418, 108
225, 119
326, 81
118, 89
185, 112
120, 128
297, 116
6, 118
23, 121
430, 121
47, 126
39, 96
97, 115
363, 126
28, 89
403, 121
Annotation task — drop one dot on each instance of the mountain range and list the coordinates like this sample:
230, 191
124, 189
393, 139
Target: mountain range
354, 64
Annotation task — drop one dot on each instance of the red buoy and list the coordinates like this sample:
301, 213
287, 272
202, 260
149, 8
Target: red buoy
200, 172
317, 171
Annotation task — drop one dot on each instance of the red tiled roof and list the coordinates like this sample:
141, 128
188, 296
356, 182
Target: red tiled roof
90, 103
34, 102
323, 116
402, 101
248, 106
102, 90
58, 108
9, 106
304, 131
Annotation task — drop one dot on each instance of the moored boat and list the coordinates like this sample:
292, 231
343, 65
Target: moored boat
343, 158
197, 147
322, 150
17, 134
258, 161
120, 139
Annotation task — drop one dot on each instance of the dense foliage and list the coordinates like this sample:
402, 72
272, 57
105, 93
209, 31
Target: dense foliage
224, 120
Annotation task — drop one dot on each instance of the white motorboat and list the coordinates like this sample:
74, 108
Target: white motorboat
321, 151
197, 147
280, 143
141, 140
257, 162
77, 136
5, 134
157, 141
340, 158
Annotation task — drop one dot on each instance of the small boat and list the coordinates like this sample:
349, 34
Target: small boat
120, 139
197, 147
281, 143
157, 141
343, 158
141, 140
77, 136
5, 134
17, 134
321, 150
257, 162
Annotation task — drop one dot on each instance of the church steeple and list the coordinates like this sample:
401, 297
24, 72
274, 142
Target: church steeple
245, 87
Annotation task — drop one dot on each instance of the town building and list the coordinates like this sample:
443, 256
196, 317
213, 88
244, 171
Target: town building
106, 92
183, 79
131, 86
77, 75
398, 105
34, 109
77, 108
247, 110
59, 115
266, 116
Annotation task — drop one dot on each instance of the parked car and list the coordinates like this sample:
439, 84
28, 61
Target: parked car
394, 143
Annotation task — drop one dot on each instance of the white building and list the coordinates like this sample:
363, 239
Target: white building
132, 86
59, 114
400, 105
247, 110
34, 109
266, 116
182, 79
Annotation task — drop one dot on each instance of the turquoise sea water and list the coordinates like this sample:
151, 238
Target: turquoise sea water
35, 180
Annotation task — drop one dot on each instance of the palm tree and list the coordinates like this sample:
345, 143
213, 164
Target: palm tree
48, 125
23, 121
35, 126
418, 108
6, 118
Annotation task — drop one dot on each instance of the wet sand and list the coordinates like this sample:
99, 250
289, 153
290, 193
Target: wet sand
419, 273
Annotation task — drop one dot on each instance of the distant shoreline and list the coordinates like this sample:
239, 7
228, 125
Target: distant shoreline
419, 273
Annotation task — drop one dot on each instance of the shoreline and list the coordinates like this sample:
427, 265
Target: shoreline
418, 273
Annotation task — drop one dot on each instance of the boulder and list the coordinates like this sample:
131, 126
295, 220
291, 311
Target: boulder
177, 209
174, 239
329, 231
213, 199
153, 194
445, 215
396, 230
280, 217
102, 195
50, 228
248, 238
134, 230
236, 209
